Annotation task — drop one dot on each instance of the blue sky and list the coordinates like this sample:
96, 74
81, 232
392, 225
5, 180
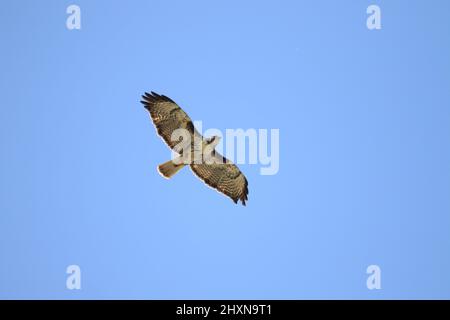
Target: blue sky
364, 120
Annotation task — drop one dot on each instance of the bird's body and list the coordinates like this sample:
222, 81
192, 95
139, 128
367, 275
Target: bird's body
198, 153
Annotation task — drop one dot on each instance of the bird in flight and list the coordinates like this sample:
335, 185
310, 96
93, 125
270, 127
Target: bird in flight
207, 164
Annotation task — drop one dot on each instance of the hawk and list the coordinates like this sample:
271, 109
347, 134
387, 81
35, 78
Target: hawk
213, 169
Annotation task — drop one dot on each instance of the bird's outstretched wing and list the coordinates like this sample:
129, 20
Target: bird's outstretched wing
224, 176
167, 116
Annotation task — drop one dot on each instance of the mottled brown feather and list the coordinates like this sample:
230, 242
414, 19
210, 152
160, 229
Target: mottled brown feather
167, 116
225, 177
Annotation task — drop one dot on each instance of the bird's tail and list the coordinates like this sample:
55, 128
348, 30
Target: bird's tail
168, 169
